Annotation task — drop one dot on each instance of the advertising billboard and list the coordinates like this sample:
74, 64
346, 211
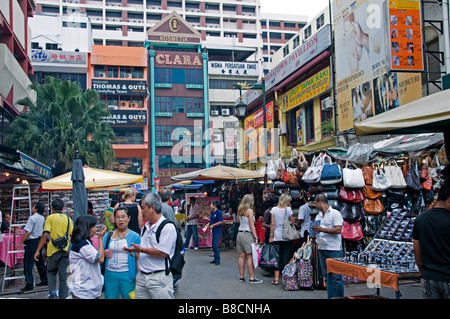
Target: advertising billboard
365, 84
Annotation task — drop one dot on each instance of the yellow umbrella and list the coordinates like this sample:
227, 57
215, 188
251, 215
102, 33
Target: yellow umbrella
94, 179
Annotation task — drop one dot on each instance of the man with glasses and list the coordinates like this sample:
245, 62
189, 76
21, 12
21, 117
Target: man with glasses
152, 281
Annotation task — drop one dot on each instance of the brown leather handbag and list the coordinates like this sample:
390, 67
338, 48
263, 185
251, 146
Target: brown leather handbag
373, 206
367, 174
368, 192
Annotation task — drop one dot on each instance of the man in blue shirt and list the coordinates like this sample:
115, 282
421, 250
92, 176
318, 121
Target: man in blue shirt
215, 225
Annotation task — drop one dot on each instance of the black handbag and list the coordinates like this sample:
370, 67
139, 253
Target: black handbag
352, 212
234, 229
413, 178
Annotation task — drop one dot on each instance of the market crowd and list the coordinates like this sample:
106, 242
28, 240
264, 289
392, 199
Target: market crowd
137, 245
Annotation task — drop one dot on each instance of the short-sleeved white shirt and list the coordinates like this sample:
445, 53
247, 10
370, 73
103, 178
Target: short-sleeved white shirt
35, 226
167, 240
280, 215
85, 280
331, 219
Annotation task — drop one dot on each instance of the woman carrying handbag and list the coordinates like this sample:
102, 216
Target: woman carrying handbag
276, 232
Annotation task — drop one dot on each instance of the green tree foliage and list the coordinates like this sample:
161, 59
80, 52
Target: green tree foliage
64, 119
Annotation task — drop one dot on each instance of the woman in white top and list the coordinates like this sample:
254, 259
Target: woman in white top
280, 213
86, 280
245, 237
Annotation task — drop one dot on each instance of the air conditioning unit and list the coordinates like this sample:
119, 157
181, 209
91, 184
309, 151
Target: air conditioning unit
282, 129
124, 104
127, 75
225, 112
134, 104
102, 74
118, 29
327, 104
217, 137
214, 113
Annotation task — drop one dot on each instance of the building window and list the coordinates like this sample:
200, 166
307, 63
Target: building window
128, 135
35, 45
320, 21
163, 104
275, 35
289, 24
274, 24
194, 105
51, 46
99, 71
309, 122
296, 42
194, 76
138, 72
113, 71
163, 133
286, 51
128, 165
308, 32
179, 104
163, 75
125, 72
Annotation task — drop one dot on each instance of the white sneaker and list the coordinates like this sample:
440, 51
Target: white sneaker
195, 248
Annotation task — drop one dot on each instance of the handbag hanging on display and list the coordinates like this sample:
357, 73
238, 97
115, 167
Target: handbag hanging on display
350, 195
331, 172
352, 231
303, 164
352, 177
367, 174
373, 206
314, 172
394, 175
413, 178
380, 182
352, 212
368, 192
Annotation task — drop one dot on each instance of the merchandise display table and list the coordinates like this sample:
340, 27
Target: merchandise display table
4, 249
373, 276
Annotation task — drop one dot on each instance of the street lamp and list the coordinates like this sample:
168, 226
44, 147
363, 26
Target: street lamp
241, 108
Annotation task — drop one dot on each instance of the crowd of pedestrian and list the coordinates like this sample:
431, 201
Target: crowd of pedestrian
131, 258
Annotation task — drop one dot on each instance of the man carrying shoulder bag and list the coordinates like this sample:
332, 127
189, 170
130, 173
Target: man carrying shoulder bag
58, 226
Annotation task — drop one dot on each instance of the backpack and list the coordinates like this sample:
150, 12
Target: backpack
177, 261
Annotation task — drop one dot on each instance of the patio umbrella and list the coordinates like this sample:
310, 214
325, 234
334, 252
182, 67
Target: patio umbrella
219, 172
95, 179
79, 193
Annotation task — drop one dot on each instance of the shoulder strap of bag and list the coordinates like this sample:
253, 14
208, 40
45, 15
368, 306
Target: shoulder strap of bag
68, 224
108, 238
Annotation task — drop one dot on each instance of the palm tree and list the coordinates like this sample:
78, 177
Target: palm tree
64, 119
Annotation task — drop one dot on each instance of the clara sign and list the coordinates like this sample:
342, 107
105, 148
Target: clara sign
126, 87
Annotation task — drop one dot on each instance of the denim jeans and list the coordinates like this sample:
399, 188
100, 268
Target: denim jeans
191, 231
215, 246
433, 289
58, 264
334, 282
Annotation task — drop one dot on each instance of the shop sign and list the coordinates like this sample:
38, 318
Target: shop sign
34, 166
56, 56
233, 68
115, 87
178, 59
308, 89
126, 117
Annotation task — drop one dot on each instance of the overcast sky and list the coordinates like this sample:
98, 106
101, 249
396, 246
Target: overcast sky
310, 8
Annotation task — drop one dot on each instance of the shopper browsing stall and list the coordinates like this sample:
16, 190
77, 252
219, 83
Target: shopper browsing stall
215, 225
329, 243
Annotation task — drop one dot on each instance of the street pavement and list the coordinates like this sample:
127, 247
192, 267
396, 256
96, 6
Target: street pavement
202, 280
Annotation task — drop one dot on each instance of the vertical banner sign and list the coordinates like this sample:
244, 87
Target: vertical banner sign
405, 35
300, 127
156, 183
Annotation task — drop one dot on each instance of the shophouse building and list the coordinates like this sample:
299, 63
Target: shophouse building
15, 62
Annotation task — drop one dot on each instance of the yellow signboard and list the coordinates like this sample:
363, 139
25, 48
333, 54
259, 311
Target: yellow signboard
308, 89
